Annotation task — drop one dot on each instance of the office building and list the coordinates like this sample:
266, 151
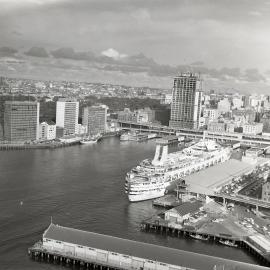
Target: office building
67, 114
95, 118
186, 102
21, 121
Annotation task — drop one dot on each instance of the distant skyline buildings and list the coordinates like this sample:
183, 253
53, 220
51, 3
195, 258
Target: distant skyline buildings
21, 121
186, 101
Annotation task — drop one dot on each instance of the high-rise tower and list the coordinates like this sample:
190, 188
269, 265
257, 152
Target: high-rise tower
186, 101
21, 121
95, 118
67, 114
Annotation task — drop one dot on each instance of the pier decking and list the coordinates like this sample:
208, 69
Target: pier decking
167, 201
91, 250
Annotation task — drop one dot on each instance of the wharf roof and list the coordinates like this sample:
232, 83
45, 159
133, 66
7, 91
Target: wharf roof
141, 250
261, 241
187, 208
207, 180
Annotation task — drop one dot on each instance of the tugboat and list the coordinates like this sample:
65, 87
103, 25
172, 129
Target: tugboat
199, 237
228, 243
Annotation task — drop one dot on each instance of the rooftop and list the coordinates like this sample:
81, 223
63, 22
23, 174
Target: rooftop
207, 180
141, 250
23, 102
263, 242
188, 207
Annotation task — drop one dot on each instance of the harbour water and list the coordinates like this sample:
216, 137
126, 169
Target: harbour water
80, 187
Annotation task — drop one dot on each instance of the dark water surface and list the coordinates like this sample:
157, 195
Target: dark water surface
81, 187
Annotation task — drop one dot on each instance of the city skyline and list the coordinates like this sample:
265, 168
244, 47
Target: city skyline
226, 42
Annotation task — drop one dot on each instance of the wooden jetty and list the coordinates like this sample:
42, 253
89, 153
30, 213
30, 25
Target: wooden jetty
167, 201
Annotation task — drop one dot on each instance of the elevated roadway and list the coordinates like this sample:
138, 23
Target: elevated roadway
189, 133
243, 199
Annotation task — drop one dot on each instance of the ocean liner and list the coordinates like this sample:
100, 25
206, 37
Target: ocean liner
150, 178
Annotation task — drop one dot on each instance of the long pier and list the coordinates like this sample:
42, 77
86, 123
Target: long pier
9, 147
87, 250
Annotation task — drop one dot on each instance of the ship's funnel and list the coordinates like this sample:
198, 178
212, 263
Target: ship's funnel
161, 154
157, 154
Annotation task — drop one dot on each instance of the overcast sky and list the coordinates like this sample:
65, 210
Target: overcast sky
209, 34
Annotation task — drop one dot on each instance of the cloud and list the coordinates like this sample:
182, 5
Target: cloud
197, 63
114, 62
69, 53
37, 52
16, 33
37, 2
255, 13
7, 51
253, 75
112, 53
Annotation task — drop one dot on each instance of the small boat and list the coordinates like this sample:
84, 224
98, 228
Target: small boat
228, 243
90, 140
199, 237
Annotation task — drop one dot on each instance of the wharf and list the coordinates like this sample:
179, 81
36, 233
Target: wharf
168, 139
213, 232
9, 147
67, 246
167, 201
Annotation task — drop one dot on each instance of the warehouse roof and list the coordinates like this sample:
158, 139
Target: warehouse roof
141, 250
187, 208
207, 180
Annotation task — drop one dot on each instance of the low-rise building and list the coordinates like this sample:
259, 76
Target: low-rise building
216, 127
182, 212
224, 105
127, 115
145, 115
81, 129
166, 99
230, 127
266, 191
47, 131
253, 129
212, 114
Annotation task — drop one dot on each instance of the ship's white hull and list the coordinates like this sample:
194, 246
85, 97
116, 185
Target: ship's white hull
149, 181
89, 142
146, 196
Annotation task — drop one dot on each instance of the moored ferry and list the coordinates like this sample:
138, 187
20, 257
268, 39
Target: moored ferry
151, 178
91, 140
